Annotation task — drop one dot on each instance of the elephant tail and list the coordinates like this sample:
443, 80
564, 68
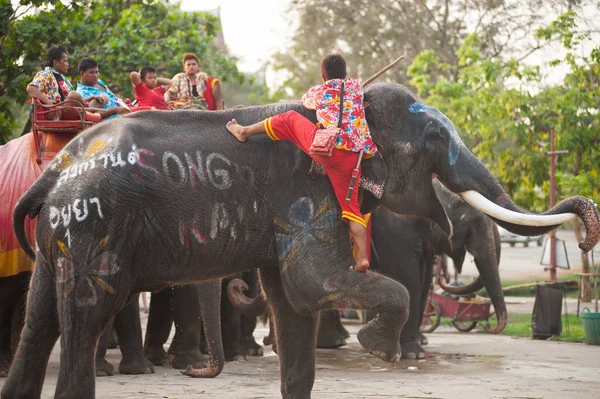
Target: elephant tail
29, 205
249, 307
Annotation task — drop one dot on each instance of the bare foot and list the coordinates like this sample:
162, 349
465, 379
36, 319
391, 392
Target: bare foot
361, 266
236, 129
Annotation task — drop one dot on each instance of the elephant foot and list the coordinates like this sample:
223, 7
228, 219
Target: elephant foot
423, 338
251, 347
136, 364
192, 358
412, 350
331, 339
209, 372
378, 341
235, 352
156, 355
104, 368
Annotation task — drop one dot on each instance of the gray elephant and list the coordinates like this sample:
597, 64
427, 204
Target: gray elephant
405, 248
166, 198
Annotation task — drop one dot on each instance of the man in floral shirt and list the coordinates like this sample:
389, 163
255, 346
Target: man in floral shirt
353, 138
194, 89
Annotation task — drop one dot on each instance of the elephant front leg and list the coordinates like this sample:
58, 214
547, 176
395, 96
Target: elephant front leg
26, 376
318, 278
129, 330
185, 347
209, 296
160, 320
296, 336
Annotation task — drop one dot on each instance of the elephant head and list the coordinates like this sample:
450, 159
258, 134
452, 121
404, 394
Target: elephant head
417, 142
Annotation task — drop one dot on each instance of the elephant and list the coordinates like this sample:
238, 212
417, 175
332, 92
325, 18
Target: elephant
13, 291
178, 304
128, 329
156, 199
405, 248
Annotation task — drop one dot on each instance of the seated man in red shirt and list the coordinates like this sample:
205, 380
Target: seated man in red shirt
149, 90
353, 138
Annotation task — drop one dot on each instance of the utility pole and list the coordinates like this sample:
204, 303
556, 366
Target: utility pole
553, 154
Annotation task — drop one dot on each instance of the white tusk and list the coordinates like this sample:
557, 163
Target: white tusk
486, 206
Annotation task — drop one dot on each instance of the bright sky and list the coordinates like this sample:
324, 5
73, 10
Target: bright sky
253, 30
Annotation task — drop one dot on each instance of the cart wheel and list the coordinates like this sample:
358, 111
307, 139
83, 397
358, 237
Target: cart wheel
464, 326
431, 316
488, 325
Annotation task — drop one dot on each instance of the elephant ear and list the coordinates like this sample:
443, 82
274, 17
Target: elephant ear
372, 182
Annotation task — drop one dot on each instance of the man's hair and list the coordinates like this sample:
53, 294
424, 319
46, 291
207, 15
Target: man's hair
86, 64
55, 53
333, 66
145, 71
190, 56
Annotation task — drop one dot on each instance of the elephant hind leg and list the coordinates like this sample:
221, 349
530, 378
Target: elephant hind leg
85, 311
296, 336
26, 376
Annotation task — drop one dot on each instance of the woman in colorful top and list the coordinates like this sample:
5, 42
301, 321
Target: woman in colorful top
50, 85
194, 89
353, 138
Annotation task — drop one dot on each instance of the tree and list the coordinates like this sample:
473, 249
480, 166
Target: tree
372, 34
121, 35
505, 115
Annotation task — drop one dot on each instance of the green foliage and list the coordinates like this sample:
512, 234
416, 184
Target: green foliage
122, 36
505, 115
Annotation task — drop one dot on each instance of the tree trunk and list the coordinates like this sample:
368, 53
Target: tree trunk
586, 287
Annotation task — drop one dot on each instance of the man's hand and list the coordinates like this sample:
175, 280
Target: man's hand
122, 110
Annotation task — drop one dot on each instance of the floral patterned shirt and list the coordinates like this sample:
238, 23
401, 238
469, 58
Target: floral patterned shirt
182, 87
325, 99
45, 81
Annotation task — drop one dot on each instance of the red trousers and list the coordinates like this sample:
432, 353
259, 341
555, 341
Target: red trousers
339, 166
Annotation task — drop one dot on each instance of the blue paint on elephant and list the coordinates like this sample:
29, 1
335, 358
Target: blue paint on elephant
455, 140
302, 228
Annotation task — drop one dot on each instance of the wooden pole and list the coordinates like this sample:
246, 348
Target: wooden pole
553, 154
393, 64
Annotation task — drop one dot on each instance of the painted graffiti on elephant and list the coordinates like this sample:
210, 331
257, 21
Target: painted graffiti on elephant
85, 275
223, 219
304, 227
180, 170
78, 211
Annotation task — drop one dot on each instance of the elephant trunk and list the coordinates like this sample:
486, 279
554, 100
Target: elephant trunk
487, 259
502, 320
249, 307
477, 186
470, 288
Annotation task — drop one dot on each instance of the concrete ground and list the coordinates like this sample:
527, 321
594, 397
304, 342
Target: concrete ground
458, 365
